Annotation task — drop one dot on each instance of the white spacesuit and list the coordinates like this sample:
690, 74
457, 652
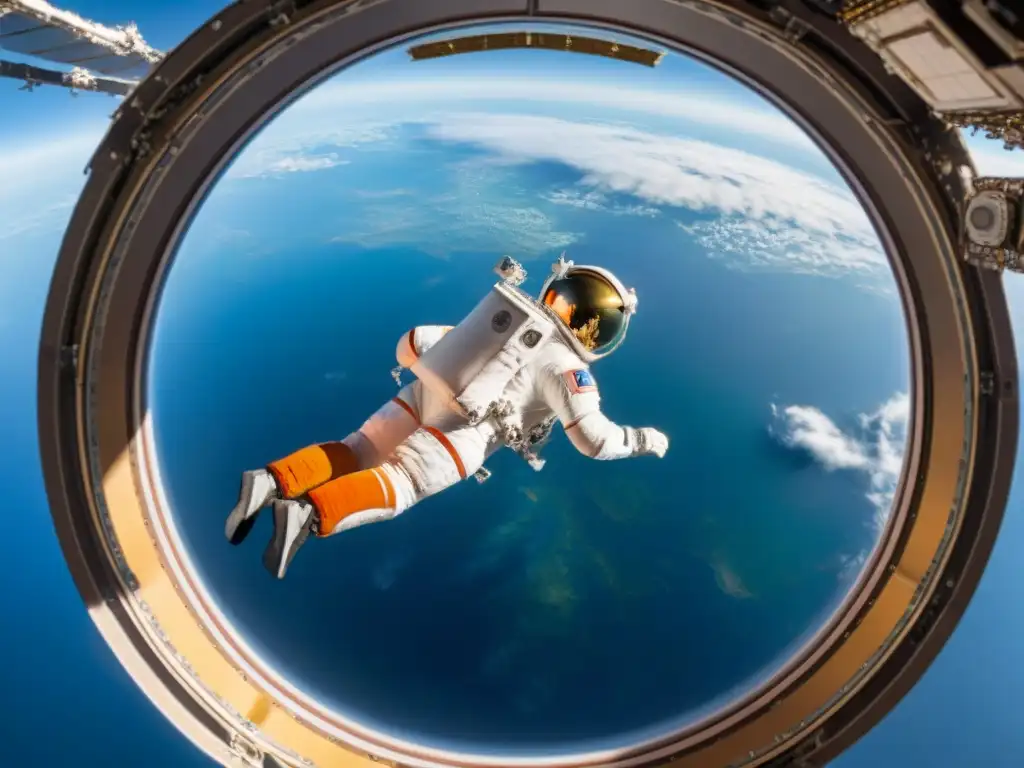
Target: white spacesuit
499, 378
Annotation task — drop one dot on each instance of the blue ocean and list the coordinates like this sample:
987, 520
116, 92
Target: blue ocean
568, 609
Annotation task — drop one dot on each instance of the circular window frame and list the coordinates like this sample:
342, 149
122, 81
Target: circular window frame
172, 137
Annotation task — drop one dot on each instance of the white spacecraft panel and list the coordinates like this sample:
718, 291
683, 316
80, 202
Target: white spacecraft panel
35, 28
915, 42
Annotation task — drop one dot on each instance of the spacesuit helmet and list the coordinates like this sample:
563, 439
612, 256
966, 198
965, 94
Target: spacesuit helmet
592, 303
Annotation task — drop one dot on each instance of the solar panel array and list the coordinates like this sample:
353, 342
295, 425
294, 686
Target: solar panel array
35, 29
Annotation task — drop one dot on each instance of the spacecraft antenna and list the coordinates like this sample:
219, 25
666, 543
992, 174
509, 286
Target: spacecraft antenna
877, 84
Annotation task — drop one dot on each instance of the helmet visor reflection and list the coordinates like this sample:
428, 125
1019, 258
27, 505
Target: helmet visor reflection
590, 306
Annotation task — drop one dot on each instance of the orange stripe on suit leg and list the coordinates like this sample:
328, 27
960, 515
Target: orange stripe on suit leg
311, 466
406, 407
358, 492
442, 438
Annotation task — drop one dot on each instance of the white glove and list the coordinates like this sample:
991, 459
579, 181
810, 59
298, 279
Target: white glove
652, 442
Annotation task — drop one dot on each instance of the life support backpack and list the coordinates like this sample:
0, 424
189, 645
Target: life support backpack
474, 362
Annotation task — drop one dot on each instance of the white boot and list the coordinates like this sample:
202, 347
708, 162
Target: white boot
293, 521
259, 489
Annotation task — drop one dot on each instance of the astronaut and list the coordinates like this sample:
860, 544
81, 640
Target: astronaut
512, 365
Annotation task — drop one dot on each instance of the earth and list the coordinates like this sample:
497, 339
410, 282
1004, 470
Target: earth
592, 603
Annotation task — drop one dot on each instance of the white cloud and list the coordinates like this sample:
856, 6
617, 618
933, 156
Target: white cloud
850, 566
767, 215
346, 113
888, 427
774, 243
662, 169
596, 201
692, 106
298, 164
809, 429
764, 213
876, 450
290, 145
759, 213
478, 211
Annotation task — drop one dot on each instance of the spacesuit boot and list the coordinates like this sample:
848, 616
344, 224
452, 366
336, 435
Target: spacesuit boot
425, 464
294, 475
259, 489
289, 478
293, 521
358, 498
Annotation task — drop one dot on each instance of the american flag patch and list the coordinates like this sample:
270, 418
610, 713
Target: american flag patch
580, 381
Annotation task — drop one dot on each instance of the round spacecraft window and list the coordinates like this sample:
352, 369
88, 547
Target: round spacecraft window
593, 603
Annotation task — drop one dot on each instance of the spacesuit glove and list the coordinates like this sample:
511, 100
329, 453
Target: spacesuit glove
651, 442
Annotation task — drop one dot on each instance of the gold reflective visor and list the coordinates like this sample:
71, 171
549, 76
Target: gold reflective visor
591, 307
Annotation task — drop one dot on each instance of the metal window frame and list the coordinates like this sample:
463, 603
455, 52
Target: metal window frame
172, 138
